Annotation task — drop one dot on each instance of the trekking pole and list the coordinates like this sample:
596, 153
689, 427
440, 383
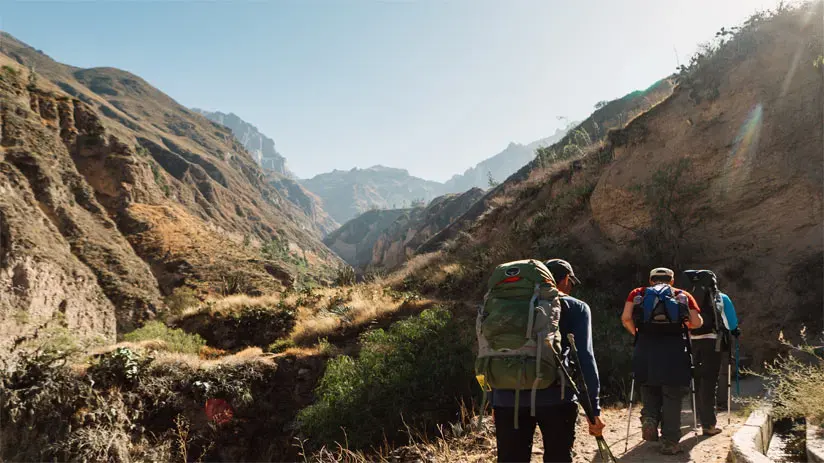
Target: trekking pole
603, 447
629, 412
737, 381
729, 389
692, 383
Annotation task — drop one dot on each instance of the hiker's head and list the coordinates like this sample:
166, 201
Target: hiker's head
661, 275
564, 276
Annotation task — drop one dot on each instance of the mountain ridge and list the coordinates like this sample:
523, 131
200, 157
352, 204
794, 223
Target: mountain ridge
146, 196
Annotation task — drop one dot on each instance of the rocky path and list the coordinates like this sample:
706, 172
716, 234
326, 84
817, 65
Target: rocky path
700, 449
696, 448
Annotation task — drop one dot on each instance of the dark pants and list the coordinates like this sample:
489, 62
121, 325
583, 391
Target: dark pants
662, 404
557, 428
707, 363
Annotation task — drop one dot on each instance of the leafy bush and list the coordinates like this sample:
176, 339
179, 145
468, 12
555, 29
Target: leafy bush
281, 345
127, 408
249, 323
176, 340
181, 299
345, 276
668, 195
796, 380
235, 283
414, 373
612, 344
121, 366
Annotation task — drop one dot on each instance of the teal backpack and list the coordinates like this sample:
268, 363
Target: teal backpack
518, 330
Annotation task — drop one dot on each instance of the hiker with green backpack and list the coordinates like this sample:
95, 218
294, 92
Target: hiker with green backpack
523, 329
659, 317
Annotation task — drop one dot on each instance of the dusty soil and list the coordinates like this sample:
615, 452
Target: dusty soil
700, 449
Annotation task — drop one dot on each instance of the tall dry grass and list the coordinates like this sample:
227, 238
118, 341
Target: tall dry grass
470, 439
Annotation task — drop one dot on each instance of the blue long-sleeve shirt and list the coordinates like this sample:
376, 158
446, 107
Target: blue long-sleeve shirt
576, 318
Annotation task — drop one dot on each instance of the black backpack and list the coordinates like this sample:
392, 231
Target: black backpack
703, 286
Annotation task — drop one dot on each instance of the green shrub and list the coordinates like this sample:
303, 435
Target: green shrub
796, 381
181, 299
126, 407
611, 342
248, 324
235, 283
281, 345
414, 373
345, 276
176, 340
119, 367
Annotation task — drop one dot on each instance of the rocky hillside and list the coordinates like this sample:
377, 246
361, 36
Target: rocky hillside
499, 167
260, 147
348, 194
354, 240
387, 238
308, 202
114, 195
401, 239
725, 173
585, 137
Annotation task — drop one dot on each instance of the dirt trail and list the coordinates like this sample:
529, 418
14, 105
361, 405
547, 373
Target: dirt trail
696, 449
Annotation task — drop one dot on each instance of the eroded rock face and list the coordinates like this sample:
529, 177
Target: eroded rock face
121, 185
754, 152
45, 283
387, 238
402, 239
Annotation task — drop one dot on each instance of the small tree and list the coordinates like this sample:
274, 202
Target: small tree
490, 180
32, 78
669, 198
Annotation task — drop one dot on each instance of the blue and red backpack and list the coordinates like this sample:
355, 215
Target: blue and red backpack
660, 309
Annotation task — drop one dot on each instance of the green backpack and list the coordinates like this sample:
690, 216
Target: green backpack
518, 331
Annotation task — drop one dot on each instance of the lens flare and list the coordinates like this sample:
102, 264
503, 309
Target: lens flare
740, 160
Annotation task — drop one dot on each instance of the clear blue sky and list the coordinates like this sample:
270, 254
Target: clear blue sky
430, 86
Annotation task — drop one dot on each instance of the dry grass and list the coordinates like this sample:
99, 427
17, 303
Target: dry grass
365, 304
325, 312
158, 350
470, 439
230, 304
411, 267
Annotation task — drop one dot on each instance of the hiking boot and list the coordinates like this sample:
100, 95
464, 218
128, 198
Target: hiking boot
670, 448
649, 430
711, 431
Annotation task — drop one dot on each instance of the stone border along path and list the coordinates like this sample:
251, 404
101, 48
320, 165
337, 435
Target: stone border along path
751, 442
815, 443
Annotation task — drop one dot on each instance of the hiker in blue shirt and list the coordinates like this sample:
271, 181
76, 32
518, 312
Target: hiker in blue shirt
556, 406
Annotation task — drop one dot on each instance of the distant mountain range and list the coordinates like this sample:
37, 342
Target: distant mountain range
500, 166
345, 194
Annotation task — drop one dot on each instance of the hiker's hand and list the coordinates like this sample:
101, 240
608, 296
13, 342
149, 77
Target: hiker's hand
597, 429
736, 332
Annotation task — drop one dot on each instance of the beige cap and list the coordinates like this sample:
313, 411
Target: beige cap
661, 271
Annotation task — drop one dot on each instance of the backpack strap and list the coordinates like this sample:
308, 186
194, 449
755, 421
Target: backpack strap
531, 322
538, 375
518, 392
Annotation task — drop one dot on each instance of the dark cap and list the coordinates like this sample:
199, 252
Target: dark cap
561, 268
